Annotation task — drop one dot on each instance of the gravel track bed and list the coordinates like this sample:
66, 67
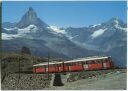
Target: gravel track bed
26, 82
74, 76
41, 81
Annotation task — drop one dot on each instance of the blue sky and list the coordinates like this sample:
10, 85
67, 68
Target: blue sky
64, 14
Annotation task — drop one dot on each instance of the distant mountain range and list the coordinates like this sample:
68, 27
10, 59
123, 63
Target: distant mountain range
108, 38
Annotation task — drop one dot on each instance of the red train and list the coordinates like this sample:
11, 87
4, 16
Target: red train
89, 63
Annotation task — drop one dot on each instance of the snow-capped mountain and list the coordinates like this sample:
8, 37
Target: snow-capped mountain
57, 30
108, 38
98, 33
41, 38
30, 17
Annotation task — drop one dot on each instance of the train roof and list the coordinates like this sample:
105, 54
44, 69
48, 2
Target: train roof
74, 60
87, 59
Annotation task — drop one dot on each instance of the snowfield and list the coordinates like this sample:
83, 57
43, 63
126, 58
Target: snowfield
98, 33
21, 32
56, 30
95, 25
30, 29
6, 36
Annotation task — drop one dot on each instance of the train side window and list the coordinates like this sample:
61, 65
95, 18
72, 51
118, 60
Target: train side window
100, 61
96, 61
105, 60
56, 65
77, 63
67, 64
71, 64
62, 64
50, 65
83, 62
92, 62
87, 62
59, 65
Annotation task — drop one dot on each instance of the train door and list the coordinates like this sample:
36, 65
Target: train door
85, 65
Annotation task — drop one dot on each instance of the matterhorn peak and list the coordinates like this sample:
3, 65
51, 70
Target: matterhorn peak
31, 15
30, 9
29, 18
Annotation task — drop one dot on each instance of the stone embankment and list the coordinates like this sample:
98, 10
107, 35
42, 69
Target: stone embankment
26, 81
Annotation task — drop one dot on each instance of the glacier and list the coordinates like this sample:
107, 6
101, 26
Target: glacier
56, 29
97, 33
20, 32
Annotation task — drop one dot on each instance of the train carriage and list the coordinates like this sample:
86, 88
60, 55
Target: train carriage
80, 64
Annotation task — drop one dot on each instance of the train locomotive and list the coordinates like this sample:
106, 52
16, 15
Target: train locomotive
80, 64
